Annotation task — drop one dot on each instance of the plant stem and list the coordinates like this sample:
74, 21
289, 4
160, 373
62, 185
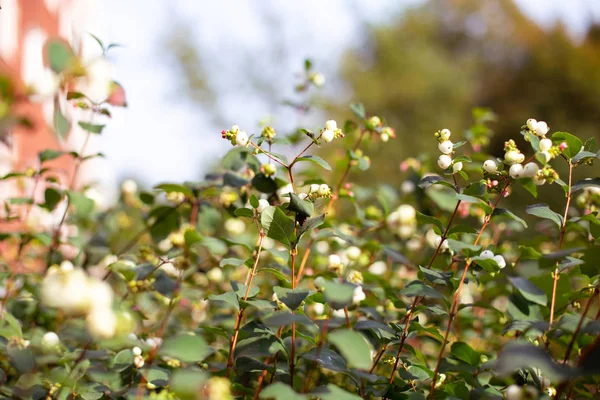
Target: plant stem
240, 315
454, 309
579, 324
268, 155
335, 195
560, 242
263, 375
303, 262
293, 349
56, 235
407, 317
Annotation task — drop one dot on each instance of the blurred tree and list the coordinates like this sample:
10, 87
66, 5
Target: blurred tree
440, 59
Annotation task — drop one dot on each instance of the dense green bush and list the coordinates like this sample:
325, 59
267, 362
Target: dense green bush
277, 277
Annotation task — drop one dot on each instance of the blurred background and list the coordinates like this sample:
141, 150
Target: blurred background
191, 69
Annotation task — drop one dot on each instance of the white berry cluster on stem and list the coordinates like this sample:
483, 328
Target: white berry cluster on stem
446, 147
331, 131
236, 136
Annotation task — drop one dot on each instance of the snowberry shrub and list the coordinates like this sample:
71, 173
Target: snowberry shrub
279, 278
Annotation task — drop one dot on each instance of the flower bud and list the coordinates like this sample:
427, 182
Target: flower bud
446, 147
490, 166
545, 144
355, 277
456, 167
514, 157
445, 134
444, 161
323, 190
516, 171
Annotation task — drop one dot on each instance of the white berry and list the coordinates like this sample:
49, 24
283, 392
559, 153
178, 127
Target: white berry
444, 161
446, 147
490, 166
516, 171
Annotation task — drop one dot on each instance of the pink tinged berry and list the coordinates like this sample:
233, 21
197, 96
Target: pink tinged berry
347, 186
563, 146
494, 183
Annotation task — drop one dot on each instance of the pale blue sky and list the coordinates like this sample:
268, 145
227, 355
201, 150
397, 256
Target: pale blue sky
159, 138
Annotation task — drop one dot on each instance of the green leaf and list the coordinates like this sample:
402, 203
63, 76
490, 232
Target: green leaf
315, 159
254, 201
418, 288
280, 391
187, 383
228, 297
353, 346
277, 225
175, 188
310, 223
264, 184
239, 157
48, 155
434, 180
468, 249
97, 129
529, 291
463, 159
244, 212
83, 205
303, 208
584, 183
286, 318
186, 348
359, 110
289, 297
574, 144
518, 355
464, 352
332, 392
59, 55
123, 360
423, 219
52, 197
499, 212
437, 277
61, 124
543, 211
327, 358
583, 156
337, 295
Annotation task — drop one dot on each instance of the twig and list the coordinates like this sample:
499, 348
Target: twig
238, 321
453, 310
560, 242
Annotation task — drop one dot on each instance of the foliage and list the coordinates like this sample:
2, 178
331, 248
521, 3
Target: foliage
281, 278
